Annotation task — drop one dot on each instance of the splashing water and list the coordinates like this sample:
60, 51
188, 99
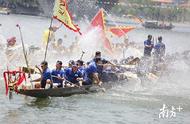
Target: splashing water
90, 43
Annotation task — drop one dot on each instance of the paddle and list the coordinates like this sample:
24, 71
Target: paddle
82, 55
102, 88
24, 51
28, 70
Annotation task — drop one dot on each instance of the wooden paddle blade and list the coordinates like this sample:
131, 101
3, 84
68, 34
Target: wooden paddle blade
28, 70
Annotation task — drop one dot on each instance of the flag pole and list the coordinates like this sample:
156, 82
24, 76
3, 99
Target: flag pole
24, 51
48, 39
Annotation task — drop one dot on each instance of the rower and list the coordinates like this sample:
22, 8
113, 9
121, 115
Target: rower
58, 75
91, 73
148, 45
98, 55
73, 76
45, 75
81, 67
71, 62
103, 61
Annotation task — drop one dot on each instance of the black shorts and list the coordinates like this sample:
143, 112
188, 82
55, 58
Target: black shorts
43, 83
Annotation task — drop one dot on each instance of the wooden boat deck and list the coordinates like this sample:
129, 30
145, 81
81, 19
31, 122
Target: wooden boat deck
67, 91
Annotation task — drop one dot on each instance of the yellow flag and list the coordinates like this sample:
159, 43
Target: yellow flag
45, 36
61, 13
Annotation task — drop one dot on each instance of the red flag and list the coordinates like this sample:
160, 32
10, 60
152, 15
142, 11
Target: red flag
107, 45
120, 31
98, 21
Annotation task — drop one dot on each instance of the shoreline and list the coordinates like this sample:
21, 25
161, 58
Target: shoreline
37, 12
44, 16
127, 19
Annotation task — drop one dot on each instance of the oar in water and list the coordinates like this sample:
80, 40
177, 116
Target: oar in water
72, 84
102, 88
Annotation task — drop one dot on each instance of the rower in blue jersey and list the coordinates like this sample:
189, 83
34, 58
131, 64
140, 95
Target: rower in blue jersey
98, 55
91, 73
81, 67
100, 66
45, 75
159, 49
148, 45
73, 75
58, 75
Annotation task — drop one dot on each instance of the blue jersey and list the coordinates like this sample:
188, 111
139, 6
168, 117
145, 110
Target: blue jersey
104, 61
148, 42
82, 70
46, 74
147, 50
89, 71
159, 48
58, 73
72, 76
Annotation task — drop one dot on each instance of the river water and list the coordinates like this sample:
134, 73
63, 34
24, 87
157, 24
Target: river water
131, 103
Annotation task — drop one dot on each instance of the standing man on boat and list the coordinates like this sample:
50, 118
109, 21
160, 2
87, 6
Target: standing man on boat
159, 49
148, 45
45, 75
58, 75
